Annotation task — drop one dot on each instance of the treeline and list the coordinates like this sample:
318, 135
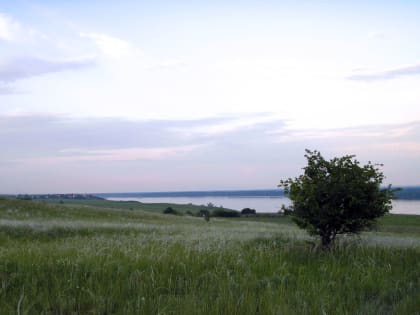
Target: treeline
221, 213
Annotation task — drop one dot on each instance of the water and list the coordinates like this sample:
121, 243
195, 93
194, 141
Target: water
406, 206
260, 204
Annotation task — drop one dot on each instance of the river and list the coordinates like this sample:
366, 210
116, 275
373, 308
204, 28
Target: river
260, 204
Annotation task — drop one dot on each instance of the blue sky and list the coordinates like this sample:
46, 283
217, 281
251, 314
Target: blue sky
183, 95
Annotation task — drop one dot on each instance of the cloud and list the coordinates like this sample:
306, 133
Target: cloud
13, 31
125, 154
110, 46
22, 68
413, 69
229, 125
5, 90
36, 135
115, 48
9, 28
361, 132
166, 64
18, 68
376, 35
64, 152
242, 138
409, 148
60, 151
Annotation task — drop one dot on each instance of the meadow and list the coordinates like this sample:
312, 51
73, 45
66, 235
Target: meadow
103, 257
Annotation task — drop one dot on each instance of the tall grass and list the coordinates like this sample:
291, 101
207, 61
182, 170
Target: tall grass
157, 264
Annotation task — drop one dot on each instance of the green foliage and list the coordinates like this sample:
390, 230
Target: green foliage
248, 211
336, 197
205, 214
170, 210
225, 213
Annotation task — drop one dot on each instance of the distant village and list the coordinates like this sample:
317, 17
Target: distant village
54, 196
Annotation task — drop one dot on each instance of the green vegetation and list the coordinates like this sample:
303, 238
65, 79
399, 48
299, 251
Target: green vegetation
225, 213
336, 197
170, 210
103, 259
248, 211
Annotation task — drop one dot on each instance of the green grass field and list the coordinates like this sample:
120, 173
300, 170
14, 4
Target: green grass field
102, 257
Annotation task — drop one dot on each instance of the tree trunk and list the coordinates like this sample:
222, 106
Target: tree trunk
327, 240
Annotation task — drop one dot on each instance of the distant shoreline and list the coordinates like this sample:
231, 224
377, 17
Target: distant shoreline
406, 193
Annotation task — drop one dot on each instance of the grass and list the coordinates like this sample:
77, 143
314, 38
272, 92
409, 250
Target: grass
400, 224
78, 259
127, 205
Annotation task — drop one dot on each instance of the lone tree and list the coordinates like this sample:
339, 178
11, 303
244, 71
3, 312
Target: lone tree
248, 211
336, 197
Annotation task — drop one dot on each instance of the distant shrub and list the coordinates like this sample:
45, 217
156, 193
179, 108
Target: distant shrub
24, 197
248, 211
170, 210
225, 213
189, 212
205, 214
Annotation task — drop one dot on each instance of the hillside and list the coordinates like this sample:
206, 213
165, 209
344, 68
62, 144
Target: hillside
102, 259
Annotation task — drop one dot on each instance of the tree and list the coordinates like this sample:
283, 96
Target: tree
248, 211
205, 214
170, 210
335, 197
225, 213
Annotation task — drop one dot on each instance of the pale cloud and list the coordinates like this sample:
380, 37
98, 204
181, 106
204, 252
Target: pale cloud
367, 132
126, 154
12, 30
9, 28
387, 74
130, 154
166, 63
110, 46
22, 68
234, 124
114, 48
186, 153
36, 135
5, 90
29, 136
407, 148
376, 35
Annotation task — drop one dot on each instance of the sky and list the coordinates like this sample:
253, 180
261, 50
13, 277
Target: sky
106, 96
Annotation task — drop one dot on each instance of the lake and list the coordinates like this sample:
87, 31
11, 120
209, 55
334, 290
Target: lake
260, 204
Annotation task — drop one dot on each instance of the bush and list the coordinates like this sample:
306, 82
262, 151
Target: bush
204, 212
169, 210
225, 213
248, 211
